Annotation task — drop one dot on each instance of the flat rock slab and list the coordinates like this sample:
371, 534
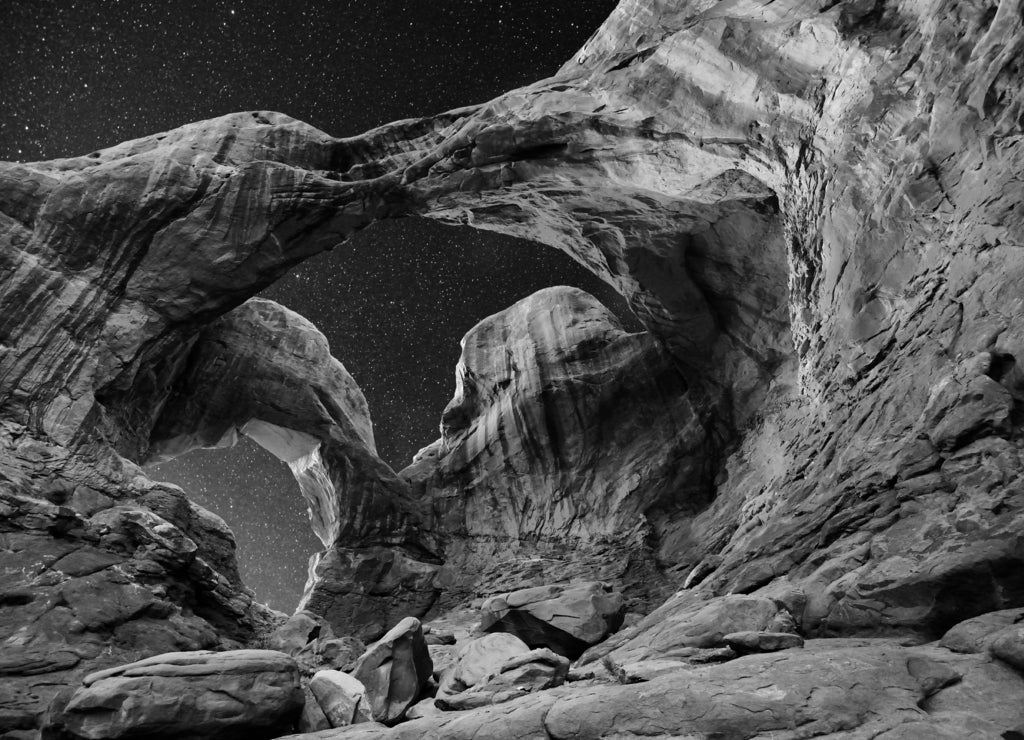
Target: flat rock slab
243, 694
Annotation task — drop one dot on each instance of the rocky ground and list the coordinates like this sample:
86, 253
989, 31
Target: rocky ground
791, 507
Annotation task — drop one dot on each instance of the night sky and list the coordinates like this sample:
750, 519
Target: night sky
395, 300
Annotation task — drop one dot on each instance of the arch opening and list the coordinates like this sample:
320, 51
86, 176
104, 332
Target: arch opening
393, 303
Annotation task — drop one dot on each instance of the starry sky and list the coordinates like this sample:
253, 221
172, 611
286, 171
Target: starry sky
393, 301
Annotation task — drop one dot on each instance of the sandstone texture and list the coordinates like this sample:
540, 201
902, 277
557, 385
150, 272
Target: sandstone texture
813, 209
238, 694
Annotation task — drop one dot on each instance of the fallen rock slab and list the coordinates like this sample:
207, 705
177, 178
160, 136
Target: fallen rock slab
243, 694
479, 659
533, 671
567, 620
395, 670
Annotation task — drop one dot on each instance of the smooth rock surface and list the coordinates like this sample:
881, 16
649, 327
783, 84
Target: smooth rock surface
237, 694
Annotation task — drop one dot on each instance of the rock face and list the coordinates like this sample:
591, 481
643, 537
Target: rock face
521, 474
239, 694
811, 206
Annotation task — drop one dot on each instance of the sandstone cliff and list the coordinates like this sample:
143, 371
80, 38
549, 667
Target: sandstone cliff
813, 209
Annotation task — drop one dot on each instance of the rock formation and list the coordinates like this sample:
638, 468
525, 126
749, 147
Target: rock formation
522, 486
813, 209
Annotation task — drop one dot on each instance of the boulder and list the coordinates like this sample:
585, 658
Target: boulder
341, 697
520, 675
395, 670
1008, 645
565, 619
975, 635
480, 658
300, 630
762, 642
240, 694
